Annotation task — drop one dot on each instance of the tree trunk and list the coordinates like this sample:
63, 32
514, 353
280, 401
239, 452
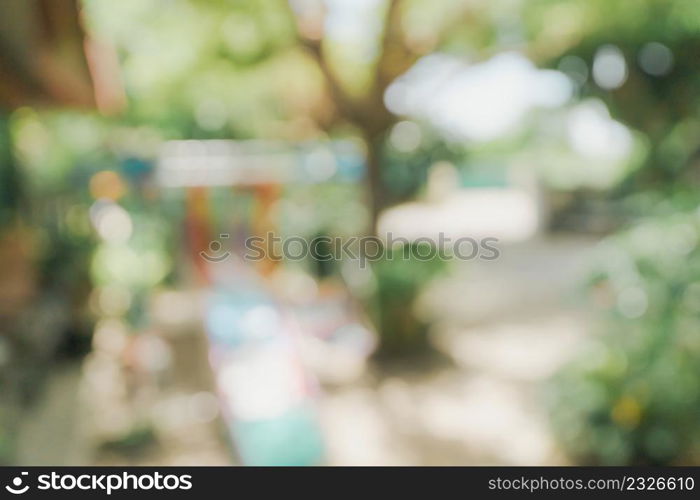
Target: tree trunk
376, 196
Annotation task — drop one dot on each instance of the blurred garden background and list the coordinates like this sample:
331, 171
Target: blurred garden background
142, 142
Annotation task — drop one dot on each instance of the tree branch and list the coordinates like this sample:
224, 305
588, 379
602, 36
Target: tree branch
348, 107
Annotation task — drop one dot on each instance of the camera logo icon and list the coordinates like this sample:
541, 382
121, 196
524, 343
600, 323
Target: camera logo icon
215, 247
16, 488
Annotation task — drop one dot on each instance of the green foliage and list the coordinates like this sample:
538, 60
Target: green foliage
331, 208
634, 397
208, 69
401, 275
662, 107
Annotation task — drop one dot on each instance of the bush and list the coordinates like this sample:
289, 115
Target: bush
401, 275
634, 396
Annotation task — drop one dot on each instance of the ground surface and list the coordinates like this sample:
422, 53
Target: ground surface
505, 327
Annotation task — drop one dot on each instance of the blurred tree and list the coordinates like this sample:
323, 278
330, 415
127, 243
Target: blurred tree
399, 45
286, 69
10, 185
208, 69
633, 397
640, 59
